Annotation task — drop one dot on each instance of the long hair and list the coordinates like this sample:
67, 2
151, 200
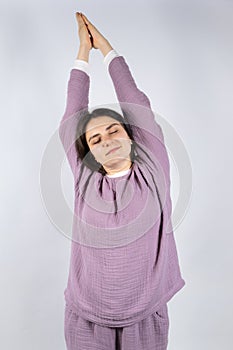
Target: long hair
82, 148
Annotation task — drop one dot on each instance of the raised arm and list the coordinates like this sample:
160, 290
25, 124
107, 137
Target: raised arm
131, 98
77, 96
136, 108
134, 103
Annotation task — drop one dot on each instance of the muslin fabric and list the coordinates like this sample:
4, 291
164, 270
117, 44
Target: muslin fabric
123, 263
151, 333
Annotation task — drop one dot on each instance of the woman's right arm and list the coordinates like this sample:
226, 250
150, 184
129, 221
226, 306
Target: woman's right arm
78, 87
77, 97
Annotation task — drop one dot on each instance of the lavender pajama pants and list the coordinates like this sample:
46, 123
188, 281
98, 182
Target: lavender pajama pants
148, 334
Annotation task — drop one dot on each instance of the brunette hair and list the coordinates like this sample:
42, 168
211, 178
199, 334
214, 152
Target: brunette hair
82, 148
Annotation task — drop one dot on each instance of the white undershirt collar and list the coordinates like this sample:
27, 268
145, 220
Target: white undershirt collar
119, 173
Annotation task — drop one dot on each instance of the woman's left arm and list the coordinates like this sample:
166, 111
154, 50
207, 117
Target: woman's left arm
134, 102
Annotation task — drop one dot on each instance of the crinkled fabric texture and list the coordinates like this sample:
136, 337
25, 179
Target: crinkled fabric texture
148, 334
123, 264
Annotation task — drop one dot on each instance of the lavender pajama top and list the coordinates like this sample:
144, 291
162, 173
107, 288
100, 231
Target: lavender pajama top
123, 263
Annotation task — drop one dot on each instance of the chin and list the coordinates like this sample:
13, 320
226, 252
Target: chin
116, 161
113, 161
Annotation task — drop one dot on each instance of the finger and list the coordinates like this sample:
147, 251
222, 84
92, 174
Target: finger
85, 19
86, 24
78, 16
89, 24
79, 19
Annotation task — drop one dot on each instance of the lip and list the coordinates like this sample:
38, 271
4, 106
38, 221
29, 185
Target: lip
112, 150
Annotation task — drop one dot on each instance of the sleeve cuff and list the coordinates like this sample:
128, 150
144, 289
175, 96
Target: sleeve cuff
82, 65
109, 57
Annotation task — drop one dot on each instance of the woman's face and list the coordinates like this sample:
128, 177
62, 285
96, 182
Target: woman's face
109, 142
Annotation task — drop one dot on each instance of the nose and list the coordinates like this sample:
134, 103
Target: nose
106, 141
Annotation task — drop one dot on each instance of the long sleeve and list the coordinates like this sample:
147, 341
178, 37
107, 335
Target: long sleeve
118, 219
82, 65
148, 134
109, 57
77, 101
136, 108
125, 86
133, 101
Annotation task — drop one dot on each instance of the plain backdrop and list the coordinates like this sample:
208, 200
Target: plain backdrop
180, 54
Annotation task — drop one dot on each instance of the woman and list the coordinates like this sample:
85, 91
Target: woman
124, 266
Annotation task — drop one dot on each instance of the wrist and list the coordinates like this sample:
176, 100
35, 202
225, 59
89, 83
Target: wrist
105, 47
83, 53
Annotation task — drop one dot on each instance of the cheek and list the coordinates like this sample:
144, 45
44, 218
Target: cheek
126, 143
96, 151
126, 147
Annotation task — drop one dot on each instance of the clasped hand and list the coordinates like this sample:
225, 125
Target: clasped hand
89, 36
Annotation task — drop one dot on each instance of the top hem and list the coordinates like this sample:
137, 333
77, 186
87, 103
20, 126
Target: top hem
130, 320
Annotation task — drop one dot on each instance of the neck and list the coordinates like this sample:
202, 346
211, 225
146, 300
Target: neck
111, 171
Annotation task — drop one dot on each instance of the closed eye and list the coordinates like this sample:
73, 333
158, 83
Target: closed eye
99, 139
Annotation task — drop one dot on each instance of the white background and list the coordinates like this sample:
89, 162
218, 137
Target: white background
180, 53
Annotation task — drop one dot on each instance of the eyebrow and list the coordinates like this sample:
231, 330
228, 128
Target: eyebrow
108, 127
